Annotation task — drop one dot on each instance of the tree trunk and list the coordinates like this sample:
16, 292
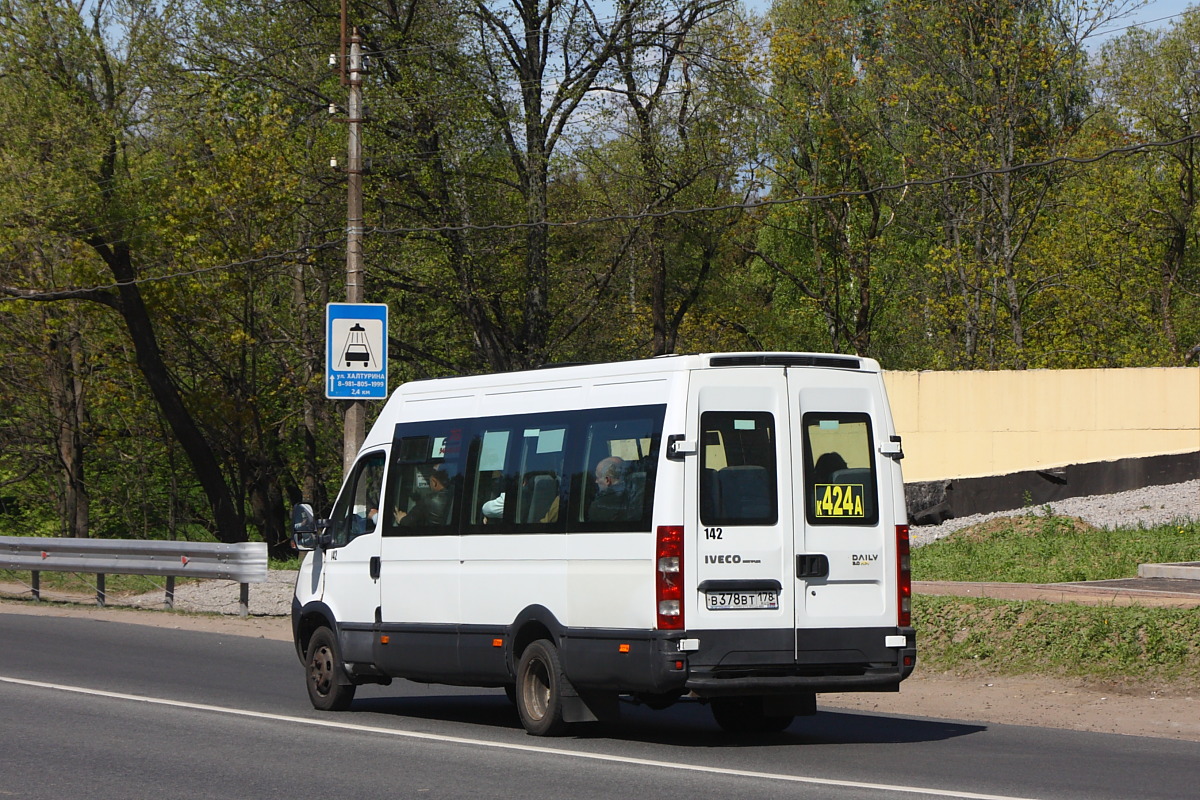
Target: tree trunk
229, 524
66, 402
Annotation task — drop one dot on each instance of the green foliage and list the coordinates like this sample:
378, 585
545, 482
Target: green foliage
1103, 311
197, 137
825, 264
1046, 548
1012, 92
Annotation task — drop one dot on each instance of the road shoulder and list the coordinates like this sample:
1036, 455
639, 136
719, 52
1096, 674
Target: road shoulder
1165, 711
1160, 711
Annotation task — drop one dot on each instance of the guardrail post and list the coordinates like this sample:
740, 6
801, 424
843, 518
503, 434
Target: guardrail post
37, 585
244, 600
100, 589
169, 600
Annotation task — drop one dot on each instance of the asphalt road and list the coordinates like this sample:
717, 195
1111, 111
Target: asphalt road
98, 709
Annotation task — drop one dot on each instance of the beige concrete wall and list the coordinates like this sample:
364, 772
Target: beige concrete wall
971, 424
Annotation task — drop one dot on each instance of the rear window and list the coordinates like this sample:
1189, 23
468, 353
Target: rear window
737, 468
840, 486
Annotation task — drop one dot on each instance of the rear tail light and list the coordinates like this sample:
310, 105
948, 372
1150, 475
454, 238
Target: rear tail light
668, 583
904, 584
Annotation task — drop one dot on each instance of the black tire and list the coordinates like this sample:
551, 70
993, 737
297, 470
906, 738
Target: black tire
540, 682
328, 688
747, 715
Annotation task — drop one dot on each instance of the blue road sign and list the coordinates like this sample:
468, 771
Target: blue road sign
356, 351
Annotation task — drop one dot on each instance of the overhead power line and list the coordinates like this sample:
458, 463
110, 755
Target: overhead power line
806, 198
1143, 25
748, 205
107, 287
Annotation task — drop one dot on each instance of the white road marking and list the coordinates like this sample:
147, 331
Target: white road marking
525, 748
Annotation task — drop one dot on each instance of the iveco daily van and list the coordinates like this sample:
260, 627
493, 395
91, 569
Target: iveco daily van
725, 528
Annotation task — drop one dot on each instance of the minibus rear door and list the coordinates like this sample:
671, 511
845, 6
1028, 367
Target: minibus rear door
744, 546
842, 552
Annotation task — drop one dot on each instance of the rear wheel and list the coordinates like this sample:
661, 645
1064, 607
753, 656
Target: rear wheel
327, 688
747, 715
539, 690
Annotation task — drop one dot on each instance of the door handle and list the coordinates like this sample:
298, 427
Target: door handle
812, 565
375, 568
679, 446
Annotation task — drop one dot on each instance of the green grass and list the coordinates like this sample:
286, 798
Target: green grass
114, 584
85, 582
289, 563
1044, 548
957, 634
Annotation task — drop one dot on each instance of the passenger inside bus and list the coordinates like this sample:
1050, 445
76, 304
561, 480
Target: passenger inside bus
615, 500
540, 493
432, 508
826, 466
494, 508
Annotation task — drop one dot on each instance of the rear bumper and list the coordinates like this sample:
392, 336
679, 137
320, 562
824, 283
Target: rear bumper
724, 663
763, 662
878, 680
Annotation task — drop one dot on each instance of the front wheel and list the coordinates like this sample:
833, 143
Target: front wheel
540, 683
747, 715
327, 688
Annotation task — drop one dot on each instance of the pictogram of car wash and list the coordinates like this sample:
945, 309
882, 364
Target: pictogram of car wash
358, 348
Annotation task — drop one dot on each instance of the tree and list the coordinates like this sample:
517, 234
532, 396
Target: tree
682, 97
111, 181
830, 143
987, 88
519, 42
1151, 81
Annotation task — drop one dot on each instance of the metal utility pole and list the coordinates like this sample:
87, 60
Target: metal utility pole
355, 423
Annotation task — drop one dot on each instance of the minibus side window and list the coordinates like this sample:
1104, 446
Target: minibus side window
516, 477
356, 511
614, 483
840, 485
538, 486
425, 479
488, 482
738, 475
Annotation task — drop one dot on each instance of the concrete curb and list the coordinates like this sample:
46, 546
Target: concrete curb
1158, 592
1187, 570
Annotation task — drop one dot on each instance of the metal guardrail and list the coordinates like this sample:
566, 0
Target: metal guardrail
245, 562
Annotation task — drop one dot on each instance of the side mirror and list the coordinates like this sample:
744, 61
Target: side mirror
305, 528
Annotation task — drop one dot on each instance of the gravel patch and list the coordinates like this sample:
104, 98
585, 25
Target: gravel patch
1147, 507
270, 599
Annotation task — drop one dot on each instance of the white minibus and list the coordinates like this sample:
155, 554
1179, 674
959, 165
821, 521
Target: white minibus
723, 528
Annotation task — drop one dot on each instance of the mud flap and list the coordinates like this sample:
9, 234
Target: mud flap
590, 706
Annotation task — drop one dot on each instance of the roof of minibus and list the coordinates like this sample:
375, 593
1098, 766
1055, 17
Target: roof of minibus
646, 366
